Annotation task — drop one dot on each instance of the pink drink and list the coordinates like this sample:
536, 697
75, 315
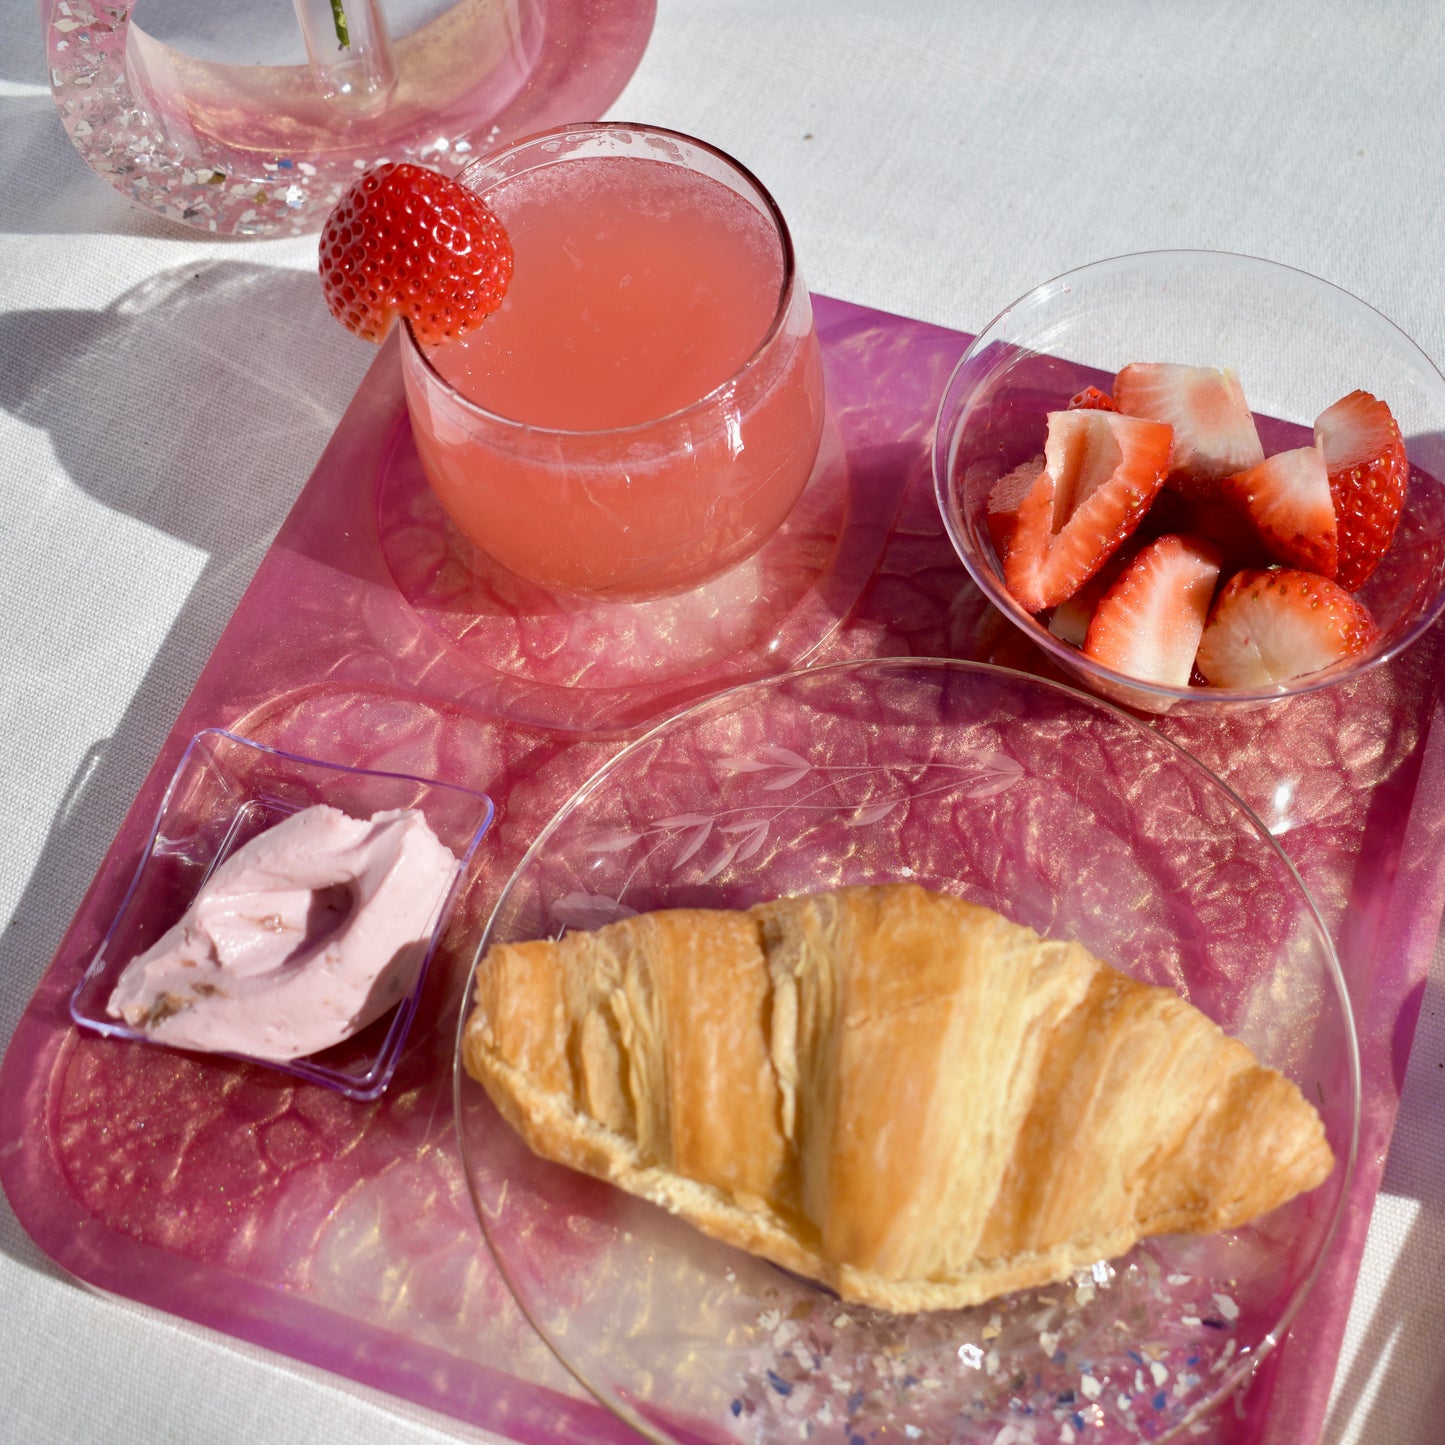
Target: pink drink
641, 287
646, 406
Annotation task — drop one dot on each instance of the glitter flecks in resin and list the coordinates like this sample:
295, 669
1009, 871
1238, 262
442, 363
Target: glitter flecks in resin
1049, 1368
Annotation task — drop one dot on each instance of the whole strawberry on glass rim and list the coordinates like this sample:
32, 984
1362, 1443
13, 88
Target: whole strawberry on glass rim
408, 242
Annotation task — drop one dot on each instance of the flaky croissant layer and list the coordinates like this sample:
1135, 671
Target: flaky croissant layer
902, 1095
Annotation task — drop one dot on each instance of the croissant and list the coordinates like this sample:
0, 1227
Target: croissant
899, 1094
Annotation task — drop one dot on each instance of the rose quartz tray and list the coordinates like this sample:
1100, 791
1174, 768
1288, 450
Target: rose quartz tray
341, 1233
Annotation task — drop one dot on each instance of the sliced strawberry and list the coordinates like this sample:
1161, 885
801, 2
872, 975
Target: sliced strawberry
1007, 496
1368, 471
1287, 500
407, 241
1092, 399
1271, 627
1101, 471
1069, 621
1148, 624
1214, 431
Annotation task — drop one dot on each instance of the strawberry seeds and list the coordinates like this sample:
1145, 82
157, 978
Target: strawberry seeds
405, 241
1166, 545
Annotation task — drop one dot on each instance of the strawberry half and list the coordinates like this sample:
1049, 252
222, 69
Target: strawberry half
1368, 472
1270, 627
410, 242
1148, 624
1288, 501
1214, 431
1101, 471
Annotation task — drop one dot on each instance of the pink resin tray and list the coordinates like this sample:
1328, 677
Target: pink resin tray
340, 1232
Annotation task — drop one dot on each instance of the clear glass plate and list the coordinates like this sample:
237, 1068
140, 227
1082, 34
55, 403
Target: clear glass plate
1062, 813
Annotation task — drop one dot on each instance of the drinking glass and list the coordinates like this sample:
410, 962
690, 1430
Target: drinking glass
663, 503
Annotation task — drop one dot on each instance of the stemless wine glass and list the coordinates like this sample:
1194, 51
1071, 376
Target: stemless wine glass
674, 479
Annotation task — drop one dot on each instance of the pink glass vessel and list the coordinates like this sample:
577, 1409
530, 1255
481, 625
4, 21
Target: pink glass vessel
647, 405
252, 119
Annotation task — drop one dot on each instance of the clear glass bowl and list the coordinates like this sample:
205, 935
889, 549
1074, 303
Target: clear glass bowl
1059, 811
1297, 343
226, 789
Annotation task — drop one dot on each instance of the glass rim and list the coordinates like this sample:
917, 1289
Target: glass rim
786, 290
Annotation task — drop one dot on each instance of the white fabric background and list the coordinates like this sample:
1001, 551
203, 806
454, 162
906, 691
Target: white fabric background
163, 398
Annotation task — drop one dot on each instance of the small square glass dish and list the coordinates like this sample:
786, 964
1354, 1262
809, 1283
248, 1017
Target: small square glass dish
227, 790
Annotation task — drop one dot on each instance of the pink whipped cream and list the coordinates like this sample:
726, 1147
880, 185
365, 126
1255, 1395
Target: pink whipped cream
300, 938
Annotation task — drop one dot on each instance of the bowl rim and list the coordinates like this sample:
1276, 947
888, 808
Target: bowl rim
1061, 653
1242, 1366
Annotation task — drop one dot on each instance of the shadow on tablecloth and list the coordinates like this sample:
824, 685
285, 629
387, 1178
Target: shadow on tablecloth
1391, 1388
197, 406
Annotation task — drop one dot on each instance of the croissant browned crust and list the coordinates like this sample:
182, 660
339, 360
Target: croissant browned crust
902, 1095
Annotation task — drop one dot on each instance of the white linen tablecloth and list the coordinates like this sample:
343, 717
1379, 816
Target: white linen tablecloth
934, 160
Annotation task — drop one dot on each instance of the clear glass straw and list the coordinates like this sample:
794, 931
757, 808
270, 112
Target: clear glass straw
349, 50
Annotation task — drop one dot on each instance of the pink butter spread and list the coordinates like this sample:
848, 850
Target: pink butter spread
299, 939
